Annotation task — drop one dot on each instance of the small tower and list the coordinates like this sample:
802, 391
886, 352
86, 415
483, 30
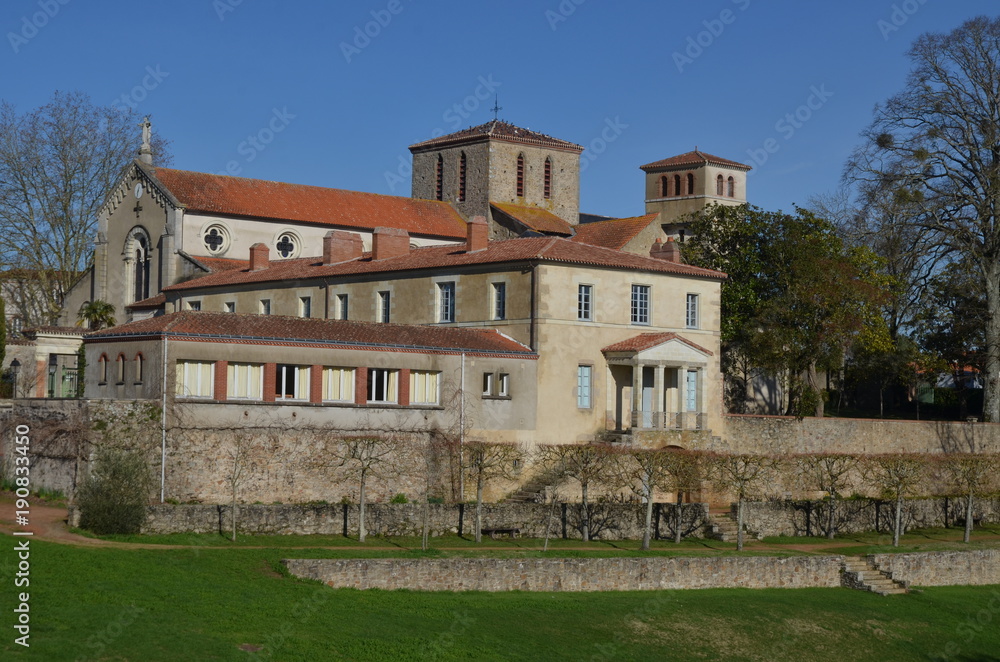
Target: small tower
499, 162
690, 182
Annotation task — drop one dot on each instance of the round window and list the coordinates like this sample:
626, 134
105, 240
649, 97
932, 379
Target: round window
288, 245
216, 239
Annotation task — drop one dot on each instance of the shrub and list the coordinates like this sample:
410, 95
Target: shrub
113, 498
399, 498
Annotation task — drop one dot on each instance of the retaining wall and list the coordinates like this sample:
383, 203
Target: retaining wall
943, 568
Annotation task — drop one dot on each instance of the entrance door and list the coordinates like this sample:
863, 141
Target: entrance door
647, 397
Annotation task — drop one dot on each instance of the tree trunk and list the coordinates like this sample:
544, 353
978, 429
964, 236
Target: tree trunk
814, 386
830, 532
991, 391
479, 507
586, 515
968, 518
234, 516
899, 521
678, 518
548, 523
649, 517
361, 510
739, 524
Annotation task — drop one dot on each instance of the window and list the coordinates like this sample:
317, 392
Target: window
548, 179
265, 306
229, 306
338, 384
382, 385
424, 387
583, 374
462, 168
342, 306
691, 390
520, 175
664, 187
446, 301
677, 185
503, 385
102, 369
291, 382
216, 239
120, 361
305, 306
245, 381
499, 301
732, 188
640, 304
140, 273
288, 245
384, 304
194, 379
194, 305
487, 383
691, 311
439, 179
139, 366
584, 303
718, 185
690, 183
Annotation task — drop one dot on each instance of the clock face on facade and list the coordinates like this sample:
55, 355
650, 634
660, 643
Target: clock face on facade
138, 190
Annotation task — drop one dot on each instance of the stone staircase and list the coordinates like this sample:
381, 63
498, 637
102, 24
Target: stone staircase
722, 526
533, 491
862, 574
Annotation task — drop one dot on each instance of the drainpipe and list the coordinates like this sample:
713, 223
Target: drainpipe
534, 300
461, 434
163, 426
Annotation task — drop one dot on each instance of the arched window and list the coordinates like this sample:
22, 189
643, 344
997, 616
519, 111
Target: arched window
102, 369
548, 178
677, 185
690, 181
137, 264
664, 187
732, 187
439, 179
139, 364
462, 168
120, 361
718, 185
520, 175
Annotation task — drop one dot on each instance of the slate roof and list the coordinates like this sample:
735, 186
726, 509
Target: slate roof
535, 218
615, 233
646, 341
292, 330
693, 158
257, 198
545, 249
498, 130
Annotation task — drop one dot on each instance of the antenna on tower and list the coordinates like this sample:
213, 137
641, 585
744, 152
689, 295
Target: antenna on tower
496, 108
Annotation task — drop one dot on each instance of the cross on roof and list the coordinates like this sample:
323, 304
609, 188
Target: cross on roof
496, 107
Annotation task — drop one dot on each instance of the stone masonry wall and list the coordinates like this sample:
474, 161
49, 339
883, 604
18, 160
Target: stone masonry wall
608, 574
943, 568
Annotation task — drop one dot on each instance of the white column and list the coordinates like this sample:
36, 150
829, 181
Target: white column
658, 419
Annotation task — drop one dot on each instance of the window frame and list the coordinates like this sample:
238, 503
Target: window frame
120, 369
140, 366
640, 311
383, 313
547, 179
519, 187
447, 292
488, 384
229, 307
183, 367
585, 302
233, 377
386, 374
343, 306
426, 375
499, 300
692, 312
346, 383
503, 385
300, 386
584, 386
305, 306
264, 306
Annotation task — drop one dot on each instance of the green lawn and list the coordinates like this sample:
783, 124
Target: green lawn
204, 603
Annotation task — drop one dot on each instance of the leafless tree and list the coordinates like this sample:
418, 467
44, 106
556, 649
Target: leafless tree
485, 461
744, 475
588, 464
647, 470
57, 164
829, 472
369, 455
896, 475
973, 475
241, 443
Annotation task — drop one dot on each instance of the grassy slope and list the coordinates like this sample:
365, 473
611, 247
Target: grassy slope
202, 604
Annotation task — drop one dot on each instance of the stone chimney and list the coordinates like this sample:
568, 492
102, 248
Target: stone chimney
340, 246
390, 242
669, 251
259, 257
477, 234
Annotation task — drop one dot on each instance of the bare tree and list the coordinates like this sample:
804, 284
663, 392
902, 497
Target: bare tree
240, 454
660, 469
588, 464
896, 475
745, 476
935, 146
57, 164
485, 461
973, 475
366, 456
829, 472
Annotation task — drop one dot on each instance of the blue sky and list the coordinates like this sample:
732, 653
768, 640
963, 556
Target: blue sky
335, 92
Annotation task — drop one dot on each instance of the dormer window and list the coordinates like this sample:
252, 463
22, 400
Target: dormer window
520, 175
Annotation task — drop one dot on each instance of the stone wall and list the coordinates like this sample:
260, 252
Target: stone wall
608, 521
943, 568
811, 518
594, 574
57, 434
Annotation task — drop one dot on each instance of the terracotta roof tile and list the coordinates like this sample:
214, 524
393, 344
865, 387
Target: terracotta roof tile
535, 218
55, 330
152, 303
646, 341
546, 249
615, 233
257, 198
276, 328
498, 130
693, 158
217, 264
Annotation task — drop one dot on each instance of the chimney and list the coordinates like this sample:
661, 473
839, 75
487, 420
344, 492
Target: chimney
340, 246
477, 234
390, 242
259, 257
669, 251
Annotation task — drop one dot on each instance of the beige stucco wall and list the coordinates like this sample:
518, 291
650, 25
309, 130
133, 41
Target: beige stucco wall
705, 194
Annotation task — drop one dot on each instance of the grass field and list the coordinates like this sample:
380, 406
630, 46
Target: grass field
213, 603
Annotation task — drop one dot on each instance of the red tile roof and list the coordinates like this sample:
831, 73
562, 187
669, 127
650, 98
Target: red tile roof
216, 264
535, 218
498, 130
615, 233
646, 341
693, 158
55, 331
545, 249
152, 303
257, 198
232, 327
